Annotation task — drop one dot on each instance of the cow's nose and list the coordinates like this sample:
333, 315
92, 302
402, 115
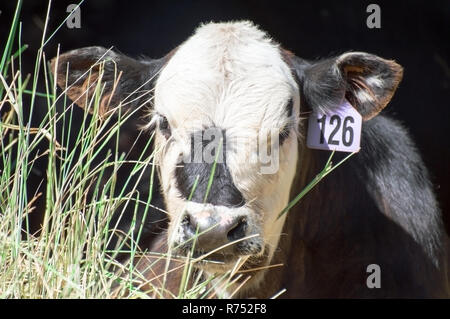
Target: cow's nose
213, 232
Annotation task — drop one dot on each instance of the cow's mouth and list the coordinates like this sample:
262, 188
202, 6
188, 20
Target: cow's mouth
245, 256
217, 258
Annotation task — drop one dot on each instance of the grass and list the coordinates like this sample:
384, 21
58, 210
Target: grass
69, 258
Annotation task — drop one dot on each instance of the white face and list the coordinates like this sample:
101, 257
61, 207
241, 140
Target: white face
228, 78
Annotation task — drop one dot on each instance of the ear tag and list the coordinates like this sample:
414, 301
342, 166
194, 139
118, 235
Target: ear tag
338, 130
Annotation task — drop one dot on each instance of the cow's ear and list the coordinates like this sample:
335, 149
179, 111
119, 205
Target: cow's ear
117, 77
367, 81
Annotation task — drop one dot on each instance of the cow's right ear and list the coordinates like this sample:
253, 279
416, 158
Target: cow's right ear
79, 71
367, 81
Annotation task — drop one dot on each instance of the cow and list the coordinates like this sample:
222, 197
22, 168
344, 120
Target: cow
232, 80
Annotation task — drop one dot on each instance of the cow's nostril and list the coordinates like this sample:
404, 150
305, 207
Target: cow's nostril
239, 230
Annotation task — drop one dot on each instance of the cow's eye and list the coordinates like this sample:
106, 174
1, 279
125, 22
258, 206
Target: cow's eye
164, 127
284, 134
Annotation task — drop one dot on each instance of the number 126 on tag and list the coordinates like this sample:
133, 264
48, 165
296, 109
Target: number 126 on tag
339, 130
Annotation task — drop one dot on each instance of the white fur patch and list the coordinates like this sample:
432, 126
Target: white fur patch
374, 81
364, 97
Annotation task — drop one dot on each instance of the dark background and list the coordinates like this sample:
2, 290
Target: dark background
414, 33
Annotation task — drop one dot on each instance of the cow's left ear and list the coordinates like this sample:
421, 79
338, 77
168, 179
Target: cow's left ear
121, 77
367, 81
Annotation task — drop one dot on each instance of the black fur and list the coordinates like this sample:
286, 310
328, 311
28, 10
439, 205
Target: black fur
223, 191
395, 173
377, 208
389, 162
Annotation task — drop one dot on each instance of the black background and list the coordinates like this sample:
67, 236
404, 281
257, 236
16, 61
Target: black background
414, 33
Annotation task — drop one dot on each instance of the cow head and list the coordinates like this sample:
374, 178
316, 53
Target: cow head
227, 114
